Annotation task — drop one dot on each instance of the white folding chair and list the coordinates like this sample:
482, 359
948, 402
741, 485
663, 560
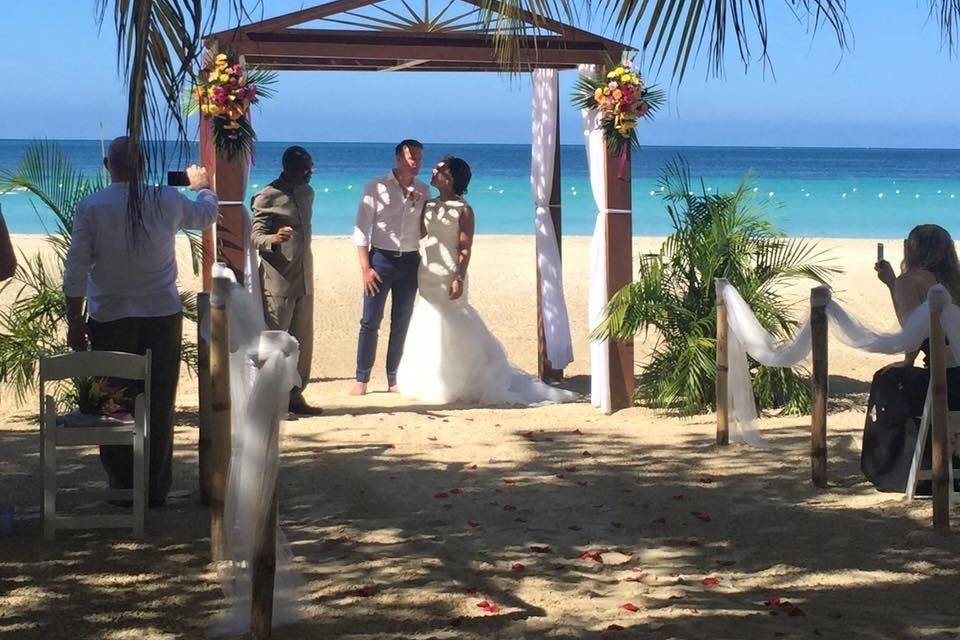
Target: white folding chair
917, 471
95, 364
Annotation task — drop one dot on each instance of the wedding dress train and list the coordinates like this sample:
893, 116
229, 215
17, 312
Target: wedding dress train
449, 354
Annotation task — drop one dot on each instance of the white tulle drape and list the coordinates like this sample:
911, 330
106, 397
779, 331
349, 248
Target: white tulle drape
263, 369
597, 297
553, 305
747, 337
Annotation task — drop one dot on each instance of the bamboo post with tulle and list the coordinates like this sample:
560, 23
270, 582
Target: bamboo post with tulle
203, 394
264, 564
723, 416
819, 298
219, 414
940, 458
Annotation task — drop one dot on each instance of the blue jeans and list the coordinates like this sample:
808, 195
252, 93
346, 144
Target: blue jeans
398, 276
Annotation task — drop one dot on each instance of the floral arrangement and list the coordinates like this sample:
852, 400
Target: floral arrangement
622, 98
97, 396
224, 91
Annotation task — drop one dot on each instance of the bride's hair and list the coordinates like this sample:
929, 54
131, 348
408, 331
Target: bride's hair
930, 247
460, 172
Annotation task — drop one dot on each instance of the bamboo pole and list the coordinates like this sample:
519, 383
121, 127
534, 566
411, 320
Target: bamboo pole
203, 393
819, 297
219, 414
938, 414
723, 416
264, 565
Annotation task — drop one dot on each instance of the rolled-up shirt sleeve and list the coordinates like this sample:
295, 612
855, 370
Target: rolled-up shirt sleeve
199, 213
79, 257
366, 211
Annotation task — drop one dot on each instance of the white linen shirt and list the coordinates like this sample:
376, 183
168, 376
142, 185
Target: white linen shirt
122, 279
385, 219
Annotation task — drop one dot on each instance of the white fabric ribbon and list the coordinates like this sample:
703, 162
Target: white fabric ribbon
553, 305
747, 337
597, 297
263, 369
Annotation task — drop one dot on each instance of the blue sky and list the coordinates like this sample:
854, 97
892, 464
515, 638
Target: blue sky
895, 88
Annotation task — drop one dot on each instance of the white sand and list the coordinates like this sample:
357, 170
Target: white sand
358, 501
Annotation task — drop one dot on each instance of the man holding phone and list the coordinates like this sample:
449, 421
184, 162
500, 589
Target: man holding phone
125, 271
281, 234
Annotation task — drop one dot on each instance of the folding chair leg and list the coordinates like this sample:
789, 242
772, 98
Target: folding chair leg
49, 485
918, 449
139, 484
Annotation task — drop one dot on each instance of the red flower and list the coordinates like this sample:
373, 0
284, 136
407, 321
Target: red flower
711, 581
632, 608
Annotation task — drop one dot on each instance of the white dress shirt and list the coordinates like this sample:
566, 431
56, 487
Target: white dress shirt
122, 279
386, 219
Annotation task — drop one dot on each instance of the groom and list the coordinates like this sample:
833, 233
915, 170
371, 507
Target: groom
387, 237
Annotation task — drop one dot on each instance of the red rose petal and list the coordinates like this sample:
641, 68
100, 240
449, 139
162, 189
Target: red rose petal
366, 592
711, 581
660, 520
536, 548
456, 491
441, 495
517, 566
473, 523
774, 602
528, 435
614, 627
509, 481
586, 454
509, 507
631, 607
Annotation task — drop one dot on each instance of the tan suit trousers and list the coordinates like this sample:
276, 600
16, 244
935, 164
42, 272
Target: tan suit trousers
295, 316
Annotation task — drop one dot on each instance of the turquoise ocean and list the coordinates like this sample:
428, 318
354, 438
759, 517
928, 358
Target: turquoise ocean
828, 192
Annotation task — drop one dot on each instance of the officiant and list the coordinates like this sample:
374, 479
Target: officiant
281, 232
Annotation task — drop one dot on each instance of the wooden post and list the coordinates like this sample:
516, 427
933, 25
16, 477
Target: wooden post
544, 367
819, 297
219, 414
264, 566
226, 241
203, 394
938, 412
723, 410
619, 221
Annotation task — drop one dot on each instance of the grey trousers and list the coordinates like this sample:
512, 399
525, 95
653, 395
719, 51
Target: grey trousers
295, 316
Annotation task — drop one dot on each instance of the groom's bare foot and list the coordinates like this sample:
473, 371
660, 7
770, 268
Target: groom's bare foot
393, 389
359, 389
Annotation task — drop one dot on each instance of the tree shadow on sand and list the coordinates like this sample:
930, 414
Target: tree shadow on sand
403, 543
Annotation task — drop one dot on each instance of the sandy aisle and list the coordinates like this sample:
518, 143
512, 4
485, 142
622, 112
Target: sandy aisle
367, 501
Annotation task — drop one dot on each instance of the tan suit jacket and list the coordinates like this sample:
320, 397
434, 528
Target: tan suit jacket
286, 269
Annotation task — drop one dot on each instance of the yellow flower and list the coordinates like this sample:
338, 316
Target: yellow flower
224, 77
598, 94
617, 94
213, 76
221, 56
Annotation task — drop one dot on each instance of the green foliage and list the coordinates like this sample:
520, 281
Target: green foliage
714, 236
34, 325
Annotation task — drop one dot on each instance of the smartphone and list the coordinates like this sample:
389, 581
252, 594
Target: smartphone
879, 252
177, 179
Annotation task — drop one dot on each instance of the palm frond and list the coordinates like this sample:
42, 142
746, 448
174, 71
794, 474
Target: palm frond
947, 15
714, 236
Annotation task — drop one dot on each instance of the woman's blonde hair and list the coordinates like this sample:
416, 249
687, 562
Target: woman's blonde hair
930, 247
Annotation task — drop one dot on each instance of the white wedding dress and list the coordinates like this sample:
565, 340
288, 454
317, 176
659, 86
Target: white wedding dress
449, 354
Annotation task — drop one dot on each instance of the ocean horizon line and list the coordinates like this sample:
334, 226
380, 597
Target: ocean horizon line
783, 147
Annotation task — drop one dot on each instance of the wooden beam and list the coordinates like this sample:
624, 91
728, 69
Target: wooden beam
297, 17
619, 223
723, 407
940, 457
819, 297
317, 45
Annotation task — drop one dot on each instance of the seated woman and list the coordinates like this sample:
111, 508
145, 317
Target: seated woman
899, 390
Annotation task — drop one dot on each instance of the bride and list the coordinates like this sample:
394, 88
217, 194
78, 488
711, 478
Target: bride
449, 354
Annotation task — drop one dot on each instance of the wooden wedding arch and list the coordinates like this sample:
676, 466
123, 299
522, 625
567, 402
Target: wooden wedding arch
392, 35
